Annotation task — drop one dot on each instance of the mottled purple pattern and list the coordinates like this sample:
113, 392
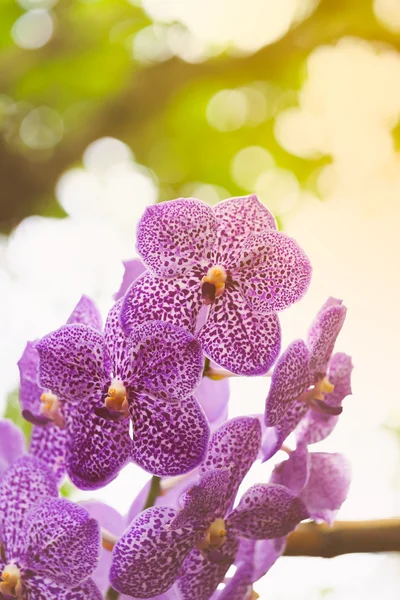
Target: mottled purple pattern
274, 437
267, 511
168, 439
73, 361
237, 219
273, 272
176, 235
328, 485
213, 397
62, 541
163, 361
291, 377
176, 300
239, 586
207, 497
48, 443
323, 333
293, 472
25, 483
147, 558
12, 444
43, 588
132, 270
233, 446
115, 338
237, 338
86, 313
96, 449
316, 426
202, 575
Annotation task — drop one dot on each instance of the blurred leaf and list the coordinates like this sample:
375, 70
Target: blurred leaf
13, 412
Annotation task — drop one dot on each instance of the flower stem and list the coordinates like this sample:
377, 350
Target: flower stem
154, 492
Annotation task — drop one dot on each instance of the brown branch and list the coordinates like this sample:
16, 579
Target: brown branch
344, 537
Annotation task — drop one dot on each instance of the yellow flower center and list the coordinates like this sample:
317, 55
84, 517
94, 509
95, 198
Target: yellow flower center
117, 399
213, 283
10, 584
253, 595
50, 408
322, 387
215, 536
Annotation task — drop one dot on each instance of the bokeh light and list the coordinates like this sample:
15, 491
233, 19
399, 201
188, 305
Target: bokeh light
33, 29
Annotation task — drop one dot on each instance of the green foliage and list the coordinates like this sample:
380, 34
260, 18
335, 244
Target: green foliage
88, 75
13, 412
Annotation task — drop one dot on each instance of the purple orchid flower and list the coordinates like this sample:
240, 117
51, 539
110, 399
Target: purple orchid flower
50, 546
320, 479
229, 257
308, 385
41, 407
148, 376
196, 545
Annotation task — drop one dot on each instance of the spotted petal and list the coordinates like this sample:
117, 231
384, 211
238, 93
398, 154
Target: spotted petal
163, 361
73, 362
132, 270
86, 313
267, 511
25, 483
205, 498
237, 219
49, 444
323, 333
174, 236
168, 439
12, 444
274, 437
97, 449
177, 301
237, 338
233, 446
317, 426
115, 338
43, 588
327, 486
62, 541
147, 558
203, 573
291, 377
273, 272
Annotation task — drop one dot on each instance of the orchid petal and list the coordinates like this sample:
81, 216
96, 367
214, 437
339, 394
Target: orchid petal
86, 313
174, 236
62, 541
291, 377
201, 575
73, 362
168, 439
267, 511
146, 560
177, 301
163, 361
238, 339
273, 272
25, 483
233, 446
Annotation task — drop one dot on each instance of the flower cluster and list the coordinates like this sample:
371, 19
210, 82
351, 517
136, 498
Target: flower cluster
151, 387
